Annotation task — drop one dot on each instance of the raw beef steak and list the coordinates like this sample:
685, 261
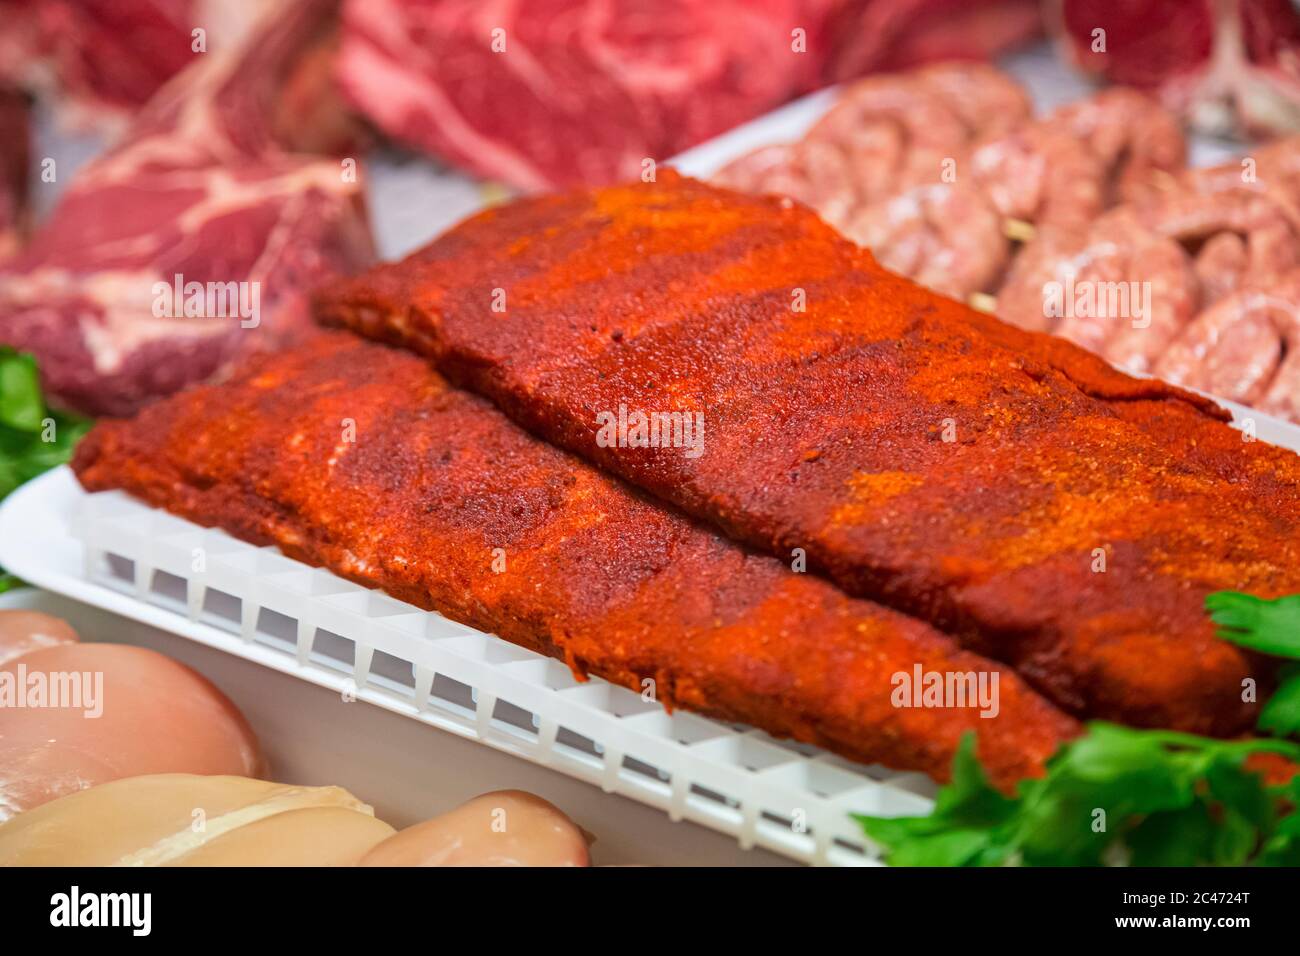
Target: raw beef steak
557, 92
105, 58
199, 199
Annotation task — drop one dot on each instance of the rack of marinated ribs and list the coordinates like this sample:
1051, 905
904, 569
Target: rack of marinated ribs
444, 503
1007, 487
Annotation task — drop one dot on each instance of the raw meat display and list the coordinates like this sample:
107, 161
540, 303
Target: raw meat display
924, 454
1218, 249
874, 167
442, 502
556, 92
106, 58
880, 500
1226, 65
941, 171
879, 35
192, 242
15, 152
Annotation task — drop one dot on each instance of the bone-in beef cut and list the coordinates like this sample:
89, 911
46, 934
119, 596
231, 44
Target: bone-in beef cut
15, 150
191, 243
1227, 65
443, 502
1006, 486
554, 92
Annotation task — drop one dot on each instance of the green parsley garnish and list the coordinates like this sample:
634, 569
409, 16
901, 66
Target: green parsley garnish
1113, 796
1141, 797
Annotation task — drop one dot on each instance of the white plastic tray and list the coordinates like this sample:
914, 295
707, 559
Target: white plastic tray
113, 552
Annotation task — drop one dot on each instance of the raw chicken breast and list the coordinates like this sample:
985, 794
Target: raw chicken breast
76, 715
502, 828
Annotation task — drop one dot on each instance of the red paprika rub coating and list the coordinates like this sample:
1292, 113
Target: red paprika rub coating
596, 573
925, 455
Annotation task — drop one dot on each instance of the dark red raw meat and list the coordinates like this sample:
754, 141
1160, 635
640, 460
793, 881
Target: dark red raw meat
15, 150
198, 189
554, 92
108, 57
